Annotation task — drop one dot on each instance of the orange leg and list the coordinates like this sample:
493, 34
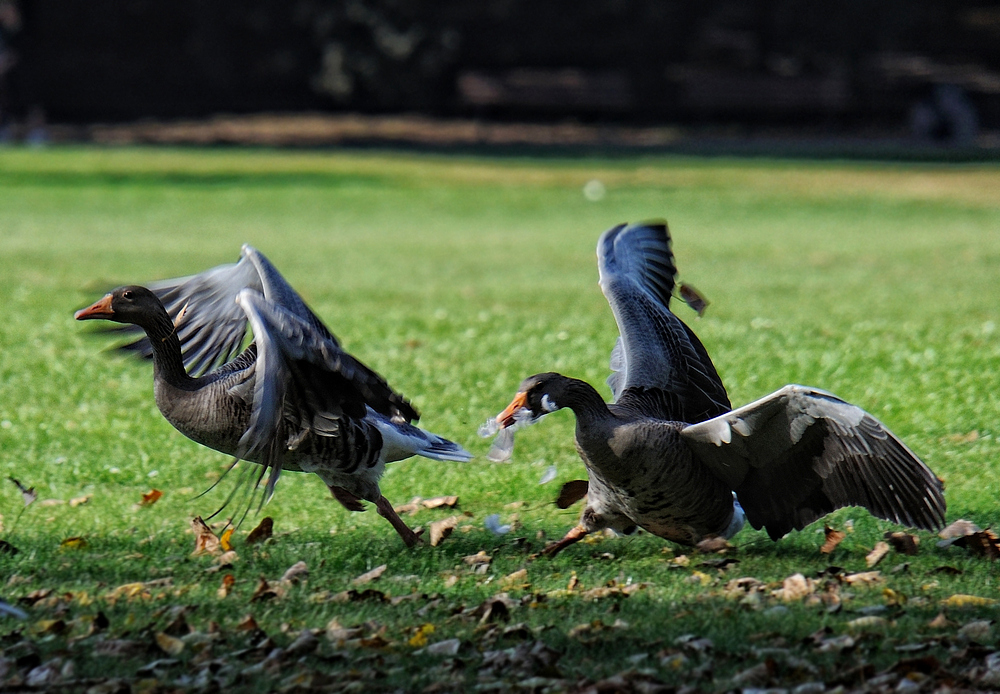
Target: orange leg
572, 537
386, 511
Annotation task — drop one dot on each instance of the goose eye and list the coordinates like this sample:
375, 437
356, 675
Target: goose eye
127, 294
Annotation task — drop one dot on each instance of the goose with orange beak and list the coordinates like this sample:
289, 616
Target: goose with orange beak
669, 455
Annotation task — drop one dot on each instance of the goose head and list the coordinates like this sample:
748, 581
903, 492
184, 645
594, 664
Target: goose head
131, 304
536, 397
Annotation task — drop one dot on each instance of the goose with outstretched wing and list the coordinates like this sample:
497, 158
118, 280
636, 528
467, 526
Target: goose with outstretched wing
293, 399
670, 456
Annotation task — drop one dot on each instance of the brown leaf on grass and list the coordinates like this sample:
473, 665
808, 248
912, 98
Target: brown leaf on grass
574, 582
80, 500
713, 544
263, 531
411, 506
169, 644
877, 554
795, 587
337, 633
265, 591
296, 573
984, 543
150, 497
228, 581
571, 492
693, 298
863, 578
945, 569
833, 537
205, 541
962, 600
903, 542
137, 591
959, 528
370, 576
940, 622
226, 540
441, 529
518, 579
28, 494
439, 501
480, 558
248, 623
73, 543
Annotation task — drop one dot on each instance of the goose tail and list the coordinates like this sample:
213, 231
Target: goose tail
401, 440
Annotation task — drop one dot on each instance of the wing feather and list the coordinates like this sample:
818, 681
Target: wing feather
656, 350
799, 453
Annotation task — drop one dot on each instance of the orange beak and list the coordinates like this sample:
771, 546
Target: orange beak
506, 418
102, 309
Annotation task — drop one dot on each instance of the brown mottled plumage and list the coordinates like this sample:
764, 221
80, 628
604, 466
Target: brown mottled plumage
292, 400
668, 454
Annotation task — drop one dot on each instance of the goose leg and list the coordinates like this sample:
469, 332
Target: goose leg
572, 537
386, 511
346, 499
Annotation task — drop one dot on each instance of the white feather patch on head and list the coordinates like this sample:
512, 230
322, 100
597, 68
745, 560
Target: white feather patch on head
547, 403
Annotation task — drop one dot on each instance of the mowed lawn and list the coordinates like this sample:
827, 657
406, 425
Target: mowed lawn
456, 277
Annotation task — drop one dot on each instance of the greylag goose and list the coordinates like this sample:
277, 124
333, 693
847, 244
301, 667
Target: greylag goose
292, 400
668, 455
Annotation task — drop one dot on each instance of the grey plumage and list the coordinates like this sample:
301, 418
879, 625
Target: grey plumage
668, 454
291, 400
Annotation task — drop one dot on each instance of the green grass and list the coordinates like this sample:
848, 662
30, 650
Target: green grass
456, 277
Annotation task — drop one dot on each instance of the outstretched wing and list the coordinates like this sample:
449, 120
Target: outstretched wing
210, 325
660, 365
303, 370
799, 453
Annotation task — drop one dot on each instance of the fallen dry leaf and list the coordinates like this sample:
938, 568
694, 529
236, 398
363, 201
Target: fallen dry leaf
370, 576
150, 497
265, 591
263, 531
477, 559
49, 503
248, 623
833, 537
978, 630
517, 579
940, 622
984, 543
964, 438
441, 529
959, 528
961, 600
903, 542
296, 572
228, 581
73, 543
863, 577
169, 644
877, 554
205, 541
226, 540
866, 622
439, 501
795, 587
571, 492
713, 544
28, 494
79, 501
419, 639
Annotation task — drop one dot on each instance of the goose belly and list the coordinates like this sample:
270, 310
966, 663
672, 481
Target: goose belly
667, 495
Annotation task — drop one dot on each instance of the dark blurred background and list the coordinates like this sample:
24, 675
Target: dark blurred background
926, 68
